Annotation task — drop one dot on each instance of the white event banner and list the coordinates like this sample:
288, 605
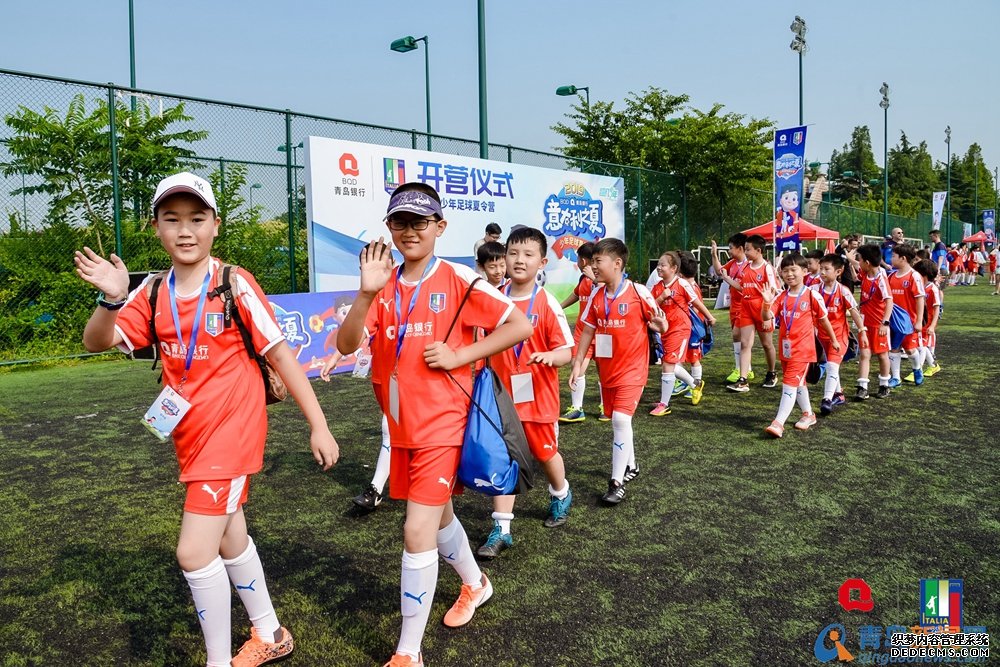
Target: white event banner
349, 185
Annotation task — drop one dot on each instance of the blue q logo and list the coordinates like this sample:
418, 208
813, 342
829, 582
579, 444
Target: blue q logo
835, 632
787, 165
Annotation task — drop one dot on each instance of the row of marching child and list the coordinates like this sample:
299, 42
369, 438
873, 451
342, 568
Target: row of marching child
897, 317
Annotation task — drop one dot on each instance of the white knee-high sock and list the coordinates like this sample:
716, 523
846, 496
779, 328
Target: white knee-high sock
211, 594
786, 404
681, 374
384, 455
453, 545
247, 574
895, 359
416, 593
802, 398
577, 393
622, 449
666, 387
737, 348
832, 380
928, 358
916, 357
696, 372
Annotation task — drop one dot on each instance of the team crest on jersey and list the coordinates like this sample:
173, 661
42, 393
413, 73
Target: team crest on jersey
760, 276
534, 319
803, 306
623, 309
213, 324
906, 283
437, 302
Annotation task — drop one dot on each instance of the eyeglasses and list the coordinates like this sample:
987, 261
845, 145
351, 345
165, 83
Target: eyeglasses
418, 225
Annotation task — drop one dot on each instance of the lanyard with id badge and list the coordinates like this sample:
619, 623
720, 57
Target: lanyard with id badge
602, 342
786, 343
171, 406
401, 334
521, 383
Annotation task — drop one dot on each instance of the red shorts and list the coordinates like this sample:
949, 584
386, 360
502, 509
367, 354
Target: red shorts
675, 345
621, 399
693, 355
877, 344
426, 475
576, 346
736, 314
543, 439
751, 314
793, 373
911, 341
216, 497
834, 357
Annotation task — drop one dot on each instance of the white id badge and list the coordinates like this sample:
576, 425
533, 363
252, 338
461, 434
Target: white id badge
786, 349
602, 346
165, 413
394, 399
362, 365
524, 391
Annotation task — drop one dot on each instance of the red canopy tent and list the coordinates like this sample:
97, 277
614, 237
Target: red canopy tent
978, 237
807, 231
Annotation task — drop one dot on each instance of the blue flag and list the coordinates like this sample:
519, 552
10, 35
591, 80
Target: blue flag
789, 170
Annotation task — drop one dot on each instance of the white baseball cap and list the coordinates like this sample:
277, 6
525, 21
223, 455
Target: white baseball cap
185, 182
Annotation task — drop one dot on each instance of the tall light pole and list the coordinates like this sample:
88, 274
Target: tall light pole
484, 145
131, 49
295, 177
409, 43
798, 45
947, 141
885, 159
255, 186
975, 206
566, 91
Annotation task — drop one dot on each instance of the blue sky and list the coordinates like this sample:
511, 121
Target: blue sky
332, 58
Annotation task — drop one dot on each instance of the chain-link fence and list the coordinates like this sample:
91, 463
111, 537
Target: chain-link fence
79, 162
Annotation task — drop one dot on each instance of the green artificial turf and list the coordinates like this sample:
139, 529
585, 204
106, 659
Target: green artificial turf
729, 549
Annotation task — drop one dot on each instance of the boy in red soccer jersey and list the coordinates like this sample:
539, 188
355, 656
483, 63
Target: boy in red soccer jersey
730, 273
219, 438
616, 319
840, 303
812, 276
420, 372
529, 372
581, 293
674, 295
695, 353
876, 309
932, 313
797, 313
908, 292
754, 276
490, 262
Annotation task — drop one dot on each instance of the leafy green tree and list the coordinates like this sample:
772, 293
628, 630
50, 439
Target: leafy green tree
857, 158
912, 178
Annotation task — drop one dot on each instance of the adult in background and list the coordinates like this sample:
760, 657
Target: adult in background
493, 232
887, 246
939, 251
848, 249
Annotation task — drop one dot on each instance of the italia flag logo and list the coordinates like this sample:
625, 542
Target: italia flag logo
941, 602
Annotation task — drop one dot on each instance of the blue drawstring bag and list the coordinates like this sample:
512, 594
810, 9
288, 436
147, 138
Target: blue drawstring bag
698, 327
900, 326
708, 341
493, 441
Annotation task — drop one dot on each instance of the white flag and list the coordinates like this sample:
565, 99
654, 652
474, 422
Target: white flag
938, 207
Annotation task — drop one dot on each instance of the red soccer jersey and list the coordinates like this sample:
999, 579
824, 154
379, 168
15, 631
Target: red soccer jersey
812, 279
934, 300
624, 318
753, 278
222, 436
551, 332
733, 269
680, 295
906, 289
796, 317
838, 302
874, 293
432, 408
582, 290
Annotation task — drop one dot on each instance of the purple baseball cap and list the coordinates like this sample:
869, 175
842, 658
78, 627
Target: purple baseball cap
413, 201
